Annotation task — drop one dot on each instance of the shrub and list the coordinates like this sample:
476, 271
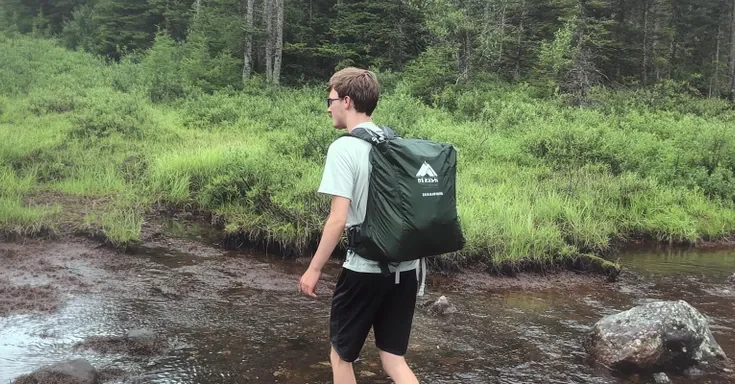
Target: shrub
109, 113
56, 98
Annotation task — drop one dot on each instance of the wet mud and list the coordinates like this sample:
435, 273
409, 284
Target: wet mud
29, 282
26, 298
122, 345
219, 316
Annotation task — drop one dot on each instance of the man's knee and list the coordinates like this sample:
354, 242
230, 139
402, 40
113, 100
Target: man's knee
391, 361
341, 370
336, 359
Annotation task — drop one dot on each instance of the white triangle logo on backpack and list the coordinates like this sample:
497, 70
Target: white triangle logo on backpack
428, 178
426, 170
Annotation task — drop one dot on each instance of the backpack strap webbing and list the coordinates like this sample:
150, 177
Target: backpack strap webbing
371, 136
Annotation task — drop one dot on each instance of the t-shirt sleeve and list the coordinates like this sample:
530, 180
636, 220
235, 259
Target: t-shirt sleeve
338, 178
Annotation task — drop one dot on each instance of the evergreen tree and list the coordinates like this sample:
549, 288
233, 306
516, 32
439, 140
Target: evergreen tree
456, 42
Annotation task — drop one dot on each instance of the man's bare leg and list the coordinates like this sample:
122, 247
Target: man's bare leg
397, 368
342, 371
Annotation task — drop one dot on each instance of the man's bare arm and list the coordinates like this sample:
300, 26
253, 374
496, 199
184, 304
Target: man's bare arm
333, 229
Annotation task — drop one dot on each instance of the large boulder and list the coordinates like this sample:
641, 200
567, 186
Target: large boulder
78, 371
658, 336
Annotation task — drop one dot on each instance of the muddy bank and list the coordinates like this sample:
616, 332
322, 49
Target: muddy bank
37, 273
26, 298
208, 228
29, 281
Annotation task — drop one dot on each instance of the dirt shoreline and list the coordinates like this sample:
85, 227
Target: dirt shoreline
155, 233
40, 269
38, 272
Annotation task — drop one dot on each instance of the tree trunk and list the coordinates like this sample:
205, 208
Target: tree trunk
732, 52
467, 54
713, 83
619, 30
279, 42
485, 35
644, 74
519, 52
486, 19
247, 67
502, 30
268, 19
675, 25
654, 42
194, 24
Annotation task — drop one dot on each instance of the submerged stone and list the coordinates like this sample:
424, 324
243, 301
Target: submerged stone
138, 342
78, 371
442, 307
661, 378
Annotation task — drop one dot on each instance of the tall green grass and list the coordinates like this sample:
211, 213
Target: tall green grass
15, 217
538, 181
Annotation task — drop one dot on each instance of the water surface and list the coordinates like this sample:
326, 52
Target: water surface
236, 318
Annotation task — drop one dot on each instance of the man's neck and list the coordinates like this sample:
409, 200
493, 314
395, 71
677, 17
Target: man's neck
357, 120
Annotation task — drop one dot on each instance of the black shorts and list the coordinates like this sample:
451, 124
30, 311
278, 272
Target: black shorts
365, 300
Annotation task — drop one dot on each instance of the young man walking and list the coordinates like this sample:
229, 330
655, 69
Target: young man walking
364, 297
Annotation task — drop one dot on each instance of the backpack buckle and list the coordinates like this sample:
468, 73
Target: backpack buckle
353, 240
353, 234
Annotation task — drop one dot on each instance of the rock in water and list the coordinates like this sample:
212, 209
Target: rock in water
142, 336
658, 336
143, 342
78, 371
442, 307
731, 279
661, 378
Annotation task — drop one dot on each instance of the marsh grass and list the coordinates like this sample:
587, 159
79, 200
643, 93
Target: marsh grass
539, 182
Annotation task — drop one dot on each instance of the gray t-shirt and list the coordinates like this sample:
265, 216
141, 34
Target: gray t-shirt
346, 174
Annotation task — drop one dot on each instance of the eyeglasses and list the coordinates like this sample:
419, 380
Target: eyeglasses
329, 101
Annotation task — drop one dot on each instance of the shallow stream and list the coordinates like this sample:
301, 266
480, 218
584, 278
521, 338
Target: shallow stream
230, 317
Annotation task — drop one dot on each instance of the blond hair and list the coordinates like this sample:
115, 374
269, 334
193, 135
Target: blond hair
360, 85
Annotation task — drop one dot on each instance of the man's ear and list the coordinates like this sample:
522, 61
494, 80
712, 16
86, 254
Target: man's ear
348, 103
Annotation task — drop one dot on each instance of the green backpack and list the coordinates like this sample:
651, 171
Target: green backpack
411, 208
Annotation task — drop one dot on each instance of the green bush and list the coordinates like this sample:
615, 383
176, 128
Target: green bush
126, 75
109, 113
57, 98
209, 111
161, 70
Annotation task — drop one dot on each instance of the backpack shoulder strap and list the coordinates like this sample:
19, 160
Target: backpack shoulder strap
371, 136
